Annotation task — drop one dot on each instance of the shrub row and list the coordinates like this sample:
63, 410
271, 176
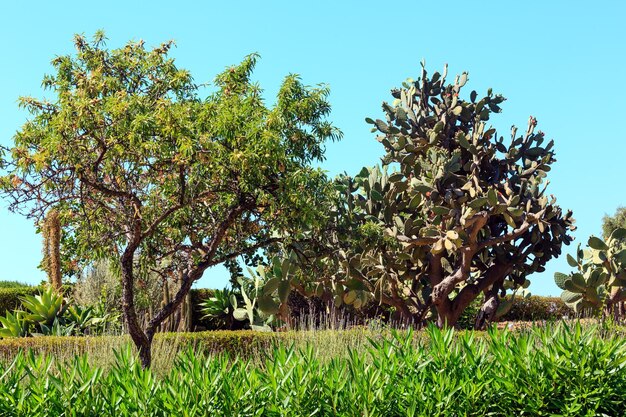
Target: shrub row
545, 372
244, 343
231, 342
538, 308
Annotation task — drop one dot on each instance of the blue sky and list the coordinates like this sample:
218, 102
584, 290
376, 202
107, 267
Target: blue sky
561, 61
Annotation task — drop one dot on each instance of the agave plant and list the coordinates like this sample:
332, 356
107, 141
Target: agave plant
220, 308
15, 324
58, 328
88, 319
44, 309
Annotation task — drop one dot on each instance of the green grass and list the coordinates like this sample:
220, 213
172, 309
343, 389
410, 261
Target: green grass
560, 370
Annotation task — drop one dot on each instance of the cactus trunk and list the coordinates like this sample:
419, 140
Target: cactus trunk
51, 248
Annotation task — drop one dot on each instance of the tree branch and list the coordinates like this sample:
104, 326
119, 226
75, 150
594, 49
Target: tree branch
506, 238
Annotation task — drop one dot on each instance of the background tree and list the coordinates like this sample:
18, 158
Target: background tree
616, 221
454, 212
143, 170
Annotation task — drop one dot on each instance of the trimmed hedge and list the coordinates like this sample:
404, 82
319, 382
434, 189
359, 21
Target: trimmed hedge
246, 343
537, 308
13, 284
234, 342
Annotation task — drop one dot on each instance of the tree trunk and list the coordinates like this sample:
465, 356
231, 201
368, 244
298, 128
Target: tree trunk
449, 311
445, 314
145, 354
487, 311
142, 342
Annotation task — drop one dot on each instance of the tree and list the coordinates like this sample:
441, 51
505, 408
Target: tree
143, 170
454, 212
611, 223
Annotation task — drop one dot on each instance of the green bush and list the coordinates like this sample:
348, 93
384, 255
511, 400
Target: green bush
13, 284
238, 342
543, 372
538, 308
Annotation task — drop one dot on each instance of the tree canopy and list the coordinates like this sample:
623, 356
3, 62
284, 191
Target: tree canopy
616, 221
144, 170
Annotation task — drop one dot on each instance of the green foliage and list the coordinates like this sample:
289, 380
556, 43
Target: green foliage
49, 313
90, 319
13, 284
599, 281
545, 372
220, 308
15, 324
127, 143
537, 308
616, 221
10, 297
45, 308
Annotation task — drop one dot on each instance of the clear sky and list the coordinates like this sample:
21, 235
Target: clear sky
563, 62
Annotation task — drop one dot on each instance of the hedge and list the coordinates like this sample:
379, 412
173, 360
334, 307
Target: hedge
537, 308
234, 342
242, 343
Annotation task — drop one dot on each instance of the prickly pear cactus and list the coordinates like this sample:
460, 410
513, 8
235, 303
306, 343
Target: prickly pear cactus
454, 212
599, 281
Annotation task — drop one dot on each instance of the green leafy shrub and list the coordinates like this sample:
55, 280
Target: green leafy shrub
14, 284
198, 319
555, 371
537, 308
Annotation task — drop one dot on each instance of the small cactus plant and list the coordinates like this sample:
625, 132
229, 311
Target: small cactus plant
599, 281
